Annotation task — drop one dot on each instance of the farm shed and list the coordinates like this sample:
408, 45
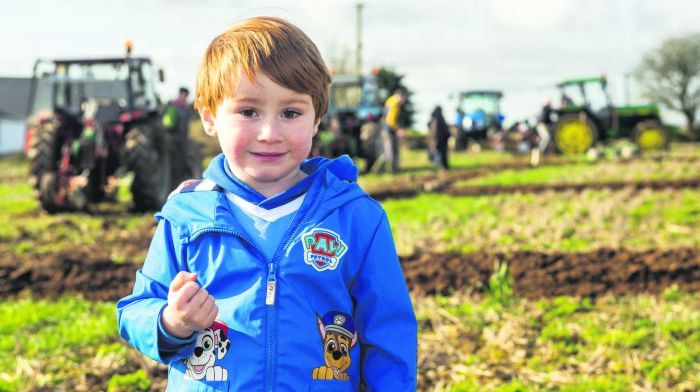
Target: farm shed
14, 102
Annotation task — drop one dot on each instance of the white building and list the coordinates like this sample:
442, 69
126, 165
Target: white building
14, 103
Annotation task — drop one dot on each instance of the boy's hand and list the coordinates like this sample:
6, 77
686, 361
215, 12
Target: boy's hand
190, 308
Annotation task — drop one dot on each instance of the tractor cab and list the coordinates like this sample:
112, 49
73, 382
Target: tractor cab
352, 99
65, 85
356, 95
477, 112
587, 115
590, 94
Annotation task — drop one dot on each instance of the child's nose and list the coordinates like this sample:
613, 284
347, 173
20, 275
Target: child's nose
270, 131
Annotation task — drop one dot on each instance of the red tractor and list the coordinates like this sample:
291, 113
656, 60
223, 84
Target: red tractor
92, 121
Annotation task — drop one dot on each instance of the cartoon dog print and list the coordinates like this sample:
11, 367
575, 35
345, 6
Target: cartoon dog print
212, 345
339, 337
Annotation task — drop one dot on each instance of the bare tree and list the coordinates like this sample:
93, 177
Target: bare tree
670, 75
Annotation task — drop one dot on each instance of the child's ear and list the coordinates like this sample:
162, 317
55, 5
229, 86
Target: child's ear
207, 121
316, 124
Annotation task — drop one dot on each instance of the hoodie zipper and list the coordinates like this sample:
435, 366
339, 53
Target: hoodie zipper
271, 285
271, 294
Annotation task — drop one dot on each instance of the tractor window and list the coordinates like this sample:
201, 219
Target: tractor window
101, 81
572, 95
149, 98
596, 96
346, 96
372, 95
44, 80
479, 102
42, 95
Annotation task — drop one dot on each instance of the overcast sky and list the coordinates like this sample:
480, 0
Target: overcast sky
522, 47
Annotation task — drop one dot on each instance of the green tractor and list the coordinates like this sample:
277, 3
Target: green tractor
587, 116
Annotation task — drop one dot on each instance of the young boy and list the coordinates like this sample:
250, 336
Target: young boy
274, 273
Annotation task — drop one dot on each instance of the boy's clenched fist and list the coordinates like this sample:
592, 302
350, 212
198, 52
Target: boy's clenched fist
190, 308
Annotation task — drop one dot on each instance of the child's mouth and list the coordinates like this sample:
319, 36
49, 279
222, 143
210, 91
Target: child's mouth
268, 155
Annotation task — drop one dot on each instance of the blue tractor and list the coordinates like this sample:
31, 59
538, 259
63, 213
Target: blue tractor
478, 111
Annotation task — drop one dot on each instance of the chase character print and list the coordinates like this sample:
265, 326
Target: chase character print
212, 345
339, 336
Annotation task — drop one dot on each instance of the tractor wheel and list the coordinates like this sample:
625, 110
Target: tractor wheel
44, 151
650, 135
186, 159
48, 192
575, 134
146, 155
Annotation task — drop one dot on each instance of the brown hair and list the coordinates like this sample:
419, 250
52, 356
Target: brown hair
272, 45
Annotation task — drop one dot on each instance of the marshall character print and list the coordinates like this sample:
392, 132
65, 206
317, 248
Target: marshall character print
339, 336
212, 345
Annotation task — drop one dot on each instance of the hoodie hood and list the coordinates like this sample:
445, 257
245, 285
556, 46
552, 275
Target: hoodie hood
335, 178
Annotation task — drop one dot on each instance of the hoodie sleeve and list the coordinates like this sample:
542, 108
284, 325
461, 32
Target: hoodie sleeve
384, 317
138, 314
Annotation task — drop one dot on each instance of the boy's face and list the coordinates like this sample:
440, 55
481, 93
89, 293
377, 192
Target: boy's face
265, 132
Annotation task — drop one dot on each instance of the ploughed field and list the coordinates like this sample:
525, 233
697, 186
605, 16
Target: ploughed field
493, 232
94, 276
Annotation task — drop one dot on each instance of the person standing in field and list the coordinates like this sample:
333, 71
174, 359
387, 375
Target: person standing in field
390, 129
176, 119
370, 141
438, 136
544, 126
275, 272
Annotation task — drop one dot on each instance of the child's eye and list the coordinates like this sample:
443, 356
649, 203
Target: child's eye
290, 113
249, 112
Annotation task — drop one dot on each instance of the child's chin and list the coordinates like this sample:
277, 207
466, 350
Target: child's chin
270, 175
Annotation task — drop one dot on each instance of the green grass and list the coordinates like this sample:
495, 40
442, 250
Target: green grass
550, 221
415, 162
45, 344
554, 344
16, 199
562, 344
584, 172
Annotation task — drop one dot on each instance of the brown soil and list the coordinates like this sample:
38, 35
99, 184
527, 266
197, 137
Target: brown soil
535, 274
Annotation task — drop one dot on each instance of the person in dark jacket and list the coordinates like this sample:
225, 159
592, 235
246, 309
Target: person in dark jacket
176, 120
438, 136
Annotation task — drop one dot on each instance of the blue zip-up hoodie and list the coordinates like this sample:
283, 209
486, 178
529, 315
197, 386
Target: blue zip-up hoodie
329, 312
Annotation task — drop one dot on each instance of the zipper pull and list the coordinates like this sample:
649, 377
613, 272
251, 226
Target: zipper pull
271, 286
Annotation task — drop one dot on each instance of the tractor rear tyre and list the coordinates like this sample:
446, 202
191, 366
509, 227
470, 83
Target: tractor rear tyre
575, 133
147, 157
650, 135
44, 151
48, 192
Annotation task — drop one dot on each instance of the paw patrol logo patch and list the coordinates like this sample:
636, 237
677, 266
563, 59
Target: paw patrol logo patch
323, 249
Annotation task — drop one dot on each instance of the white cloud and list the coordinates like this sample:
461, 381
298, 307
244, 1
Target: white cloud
532, 14
442, 46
